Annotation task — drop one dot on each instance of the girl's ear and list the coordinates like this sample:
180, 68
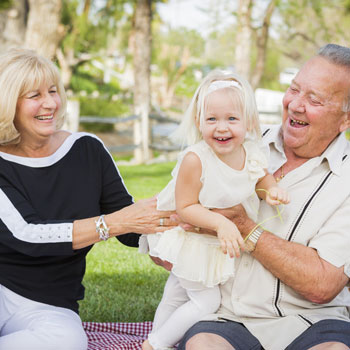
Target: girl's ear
197, 121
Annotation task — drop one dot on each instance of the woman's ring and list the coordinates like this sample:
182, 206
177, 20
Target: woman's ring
161, 222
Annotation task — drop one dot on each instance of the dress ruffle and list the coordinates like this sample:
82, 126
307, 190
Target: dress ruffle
256, 161
195, 257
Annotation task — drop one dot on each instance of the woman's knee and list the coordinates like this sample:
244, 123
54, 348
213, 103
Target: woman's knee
47, 329
68, 335
73, 340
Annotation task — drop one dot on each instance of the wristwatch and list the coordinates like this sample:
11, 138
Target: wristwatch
252, 240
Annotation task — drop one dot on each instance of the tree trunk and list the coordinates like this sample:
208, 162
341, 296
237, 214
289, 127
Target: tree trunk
243, 38
142, 90
13, 25
65, 62
44, 30
262, 39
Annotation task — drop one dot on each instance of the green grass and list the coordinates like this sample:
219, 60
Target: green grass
121, 284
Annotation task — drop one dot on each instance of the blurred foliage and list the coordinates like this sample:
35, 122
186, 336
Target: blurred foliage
84, 32
103, 107
221, 48
306, 25
90, 80
5, 4
169, 45
188, 83
104, 29
270, 78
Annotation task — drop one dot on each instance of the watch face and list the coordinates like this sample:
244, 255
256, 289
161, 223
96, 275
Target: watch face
249, 246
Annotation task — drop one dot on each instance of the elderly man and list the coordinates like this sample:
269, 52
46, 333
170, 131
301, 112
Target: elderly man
290, 291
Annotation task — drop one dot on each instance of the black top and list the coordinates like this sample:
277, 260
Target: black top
39, 200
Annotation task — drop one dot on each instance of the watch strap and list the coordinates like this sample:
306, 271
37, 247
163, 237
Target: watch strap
252, 239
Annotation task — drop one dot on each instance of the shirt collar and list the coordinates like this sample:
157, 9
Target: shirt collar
335, 153
272, 135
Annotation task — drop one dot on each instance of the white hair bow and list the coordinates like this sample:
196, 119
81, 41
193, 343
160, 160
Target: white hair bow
221, 84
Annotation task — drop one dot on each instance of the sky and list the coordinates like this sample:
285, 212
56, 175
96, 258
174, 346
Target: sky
190, 14
184, 13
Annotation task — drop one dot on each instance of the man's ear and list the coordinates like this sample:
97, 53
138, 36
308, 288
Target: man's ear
345, 124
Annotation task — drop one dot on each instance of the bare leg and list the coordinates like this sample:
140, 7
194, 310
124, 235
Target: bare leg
329, 346
146, 345
208, 341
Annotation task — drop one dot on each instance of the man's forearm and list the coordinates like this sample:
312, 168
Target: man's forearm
296, 265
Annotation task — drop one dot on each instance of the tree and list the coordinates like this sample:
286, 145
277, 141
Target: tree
44, 31
309, 24
262, 36
13, 18
34, 24
142, 63
244, 39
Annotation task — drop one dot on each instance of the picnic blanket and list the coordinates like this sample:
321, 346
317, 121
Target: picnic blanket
116, 336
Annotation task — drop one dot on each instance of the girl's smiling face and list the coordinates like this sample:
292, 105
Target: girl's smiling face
224, 127
36, 112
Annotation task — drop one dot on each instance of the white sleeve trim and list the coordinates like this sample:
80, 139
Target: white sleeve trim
32, 233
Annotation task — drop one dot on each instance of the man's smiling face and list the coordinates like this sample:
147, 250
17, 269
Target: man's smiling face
313, 107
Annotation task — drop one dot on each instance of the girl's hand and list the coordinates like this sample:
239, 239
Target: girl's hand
277, 195
230, 238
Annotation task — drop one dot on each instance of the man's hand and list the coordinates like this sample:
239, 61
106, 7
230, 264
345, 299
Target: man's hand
238, 215
166, 264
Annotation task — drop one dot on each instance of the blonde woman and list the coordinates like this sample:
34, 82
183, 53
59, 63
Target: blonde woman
60, 193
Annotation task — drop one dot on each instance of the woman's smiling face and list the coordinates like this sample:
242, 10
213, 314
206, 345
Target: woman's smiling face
36, 112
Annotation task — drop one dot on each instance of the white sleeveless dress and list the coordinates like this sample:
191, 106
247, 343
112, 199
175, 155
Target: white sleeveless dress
198, 257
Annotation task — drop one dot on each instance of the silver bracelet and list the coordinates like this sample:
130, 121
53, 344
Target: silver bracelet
102, 229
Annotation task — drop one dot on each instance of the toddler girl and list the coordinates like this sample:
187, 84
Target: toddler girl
221, 167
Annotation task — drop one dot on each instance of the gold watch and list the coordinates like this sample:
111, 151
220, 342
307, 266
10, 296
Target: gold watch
252, 240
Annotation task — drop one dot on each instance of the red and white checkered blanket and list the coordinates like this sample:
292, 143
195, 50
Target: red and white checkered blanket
116, 336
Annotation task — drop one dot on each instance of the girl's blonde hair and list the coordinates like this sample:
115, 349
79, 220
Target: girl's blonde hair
22, 71
188, 132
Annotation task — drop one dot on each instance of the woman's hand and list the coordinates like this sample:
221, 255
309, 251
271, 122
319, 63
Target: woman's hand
141, 217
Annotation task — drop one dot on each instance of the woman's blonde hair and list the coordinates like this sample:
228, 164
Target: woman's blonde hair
188, 132
22, 71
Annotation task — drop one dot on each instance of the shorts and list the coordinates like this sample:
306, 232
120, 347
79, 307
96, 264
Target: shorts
241, 339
